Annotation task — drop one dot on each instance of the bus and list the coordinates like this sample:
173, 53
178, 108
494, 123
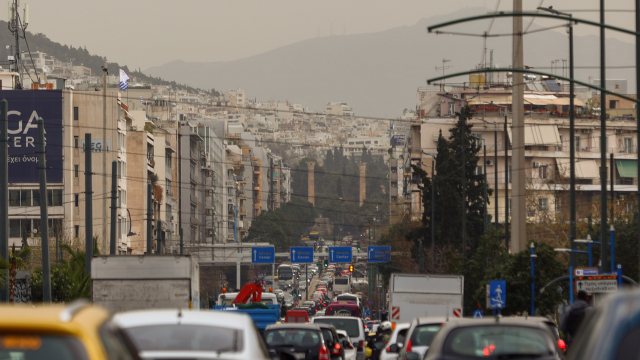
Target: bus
285, 272
341, 285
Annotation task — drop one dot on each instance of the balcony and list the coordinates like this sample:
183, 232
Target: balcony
194, 154
169, 192
150, 160
194, 199
193, 220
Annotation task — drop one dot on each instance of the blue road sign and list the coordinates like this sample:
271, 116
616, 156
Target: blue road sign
263, 255
301, 255
498, 294
478, 314
379, 253
586, 271
340, 254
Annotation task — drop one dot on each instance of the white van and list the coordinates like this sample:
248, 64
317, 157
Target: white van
341, 285
227, 299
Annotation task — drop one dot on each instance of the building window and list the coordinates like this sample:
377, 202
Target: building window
76, 141
54, 197
76, 200
36, 197
76, 169
478, 170
559, 147
25, 198
75, 113
628, 144
612, 104
558, 205
14, 197
542, 172
543, 204
577, 143
77, 230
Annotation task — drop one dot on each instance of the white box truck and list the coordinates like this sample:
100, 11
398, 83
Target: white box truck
131, 282
415, 295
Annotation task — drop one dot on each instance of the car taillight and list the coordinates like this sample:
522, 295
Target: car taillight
360, 345
562, 345
323, 354
409, 346
336, 349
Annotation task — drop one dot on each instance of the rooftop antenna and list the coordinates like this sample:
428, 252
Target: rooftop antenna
443, 68
17, 25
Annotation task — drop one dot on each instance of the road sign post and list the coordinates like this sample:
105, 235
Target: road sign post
498, 294
340, 254
379, 254
263, 255
301, 254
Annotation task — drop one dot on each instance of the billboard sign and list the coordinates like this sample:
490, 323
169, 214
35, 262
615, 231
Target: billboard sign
25, 107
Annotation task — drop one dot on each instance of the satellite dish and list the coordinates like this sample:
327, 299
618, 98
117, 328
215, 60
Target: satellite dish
448, 88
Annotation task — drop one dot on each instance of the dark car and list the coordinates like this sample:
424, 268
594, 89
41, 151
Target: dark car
304, 341
309, 310
611, 331
502, 338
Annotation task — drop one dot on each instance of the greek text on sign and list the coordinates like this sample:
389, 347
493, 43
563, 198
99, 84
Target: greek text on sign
262, 255
597, 286
301, 254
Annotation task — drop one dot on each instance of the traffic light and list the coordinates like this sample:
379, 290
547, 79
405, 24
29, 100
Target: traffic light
358, 247
350, 268
326, 263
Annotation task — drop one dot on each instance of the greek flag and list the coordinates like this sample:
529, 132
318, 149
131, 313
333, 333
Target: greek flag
124, 80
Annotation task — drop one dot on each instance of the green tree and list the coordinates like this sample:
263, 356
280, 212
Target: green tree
449, 184
17, 260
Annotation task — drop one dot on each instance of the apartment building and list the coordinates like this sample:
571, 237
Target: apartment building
547, 147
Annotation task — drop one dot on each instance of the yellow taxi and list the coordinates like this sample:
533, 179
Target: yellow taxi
78, 330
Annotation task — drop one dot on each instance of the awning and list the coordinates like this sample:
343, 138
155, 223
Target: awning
585, 169
550, 100
627, 168
538, 135
485, 99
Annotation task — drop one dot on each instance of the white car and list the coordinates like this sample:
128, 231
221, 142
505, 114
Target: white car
179, 334
420, 334
352, 325
396, 342
349, 349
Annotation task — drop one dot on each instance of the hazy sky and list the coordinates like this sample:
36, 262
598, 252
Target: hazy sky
144, 33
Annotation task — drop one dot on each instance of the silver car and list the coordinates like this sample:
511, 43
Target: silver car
420, 334
179, 334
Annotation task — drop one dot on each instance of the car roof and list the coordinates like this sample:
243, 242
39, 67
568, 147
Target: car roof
518, 321
432, 320
76, 318
336, 316
293, 326
227, 319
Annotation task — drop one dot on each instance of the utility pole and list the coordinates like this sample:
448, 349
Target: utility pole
114, 206
4, 194
443, 68
506, 186
637, 92
464, 183
16, 26
486, 195
104, 156
149, 219
433, 214
495, 165
44, 216
613, 195
88, 203
604, 254
519, 219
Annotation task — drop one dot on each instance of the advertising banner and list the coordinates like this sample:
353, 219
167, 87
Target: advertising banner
25, 107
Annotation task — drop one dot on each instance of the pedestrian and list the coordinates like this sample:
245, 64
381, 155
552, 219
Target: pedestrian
573, 317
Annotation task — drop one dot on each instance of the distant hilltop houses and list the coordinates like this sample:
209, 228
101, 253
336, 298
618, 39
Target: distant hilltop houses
214, 162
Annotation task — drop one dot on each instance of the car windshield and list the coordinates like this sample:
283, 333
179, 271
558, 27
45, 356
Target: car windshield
33, 346
351, 326
497, 341
423, 334
292, 337
173, 337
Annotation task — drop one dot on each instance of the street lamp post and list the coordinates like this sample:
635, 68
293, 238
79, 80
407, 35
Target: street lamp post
572, 149
533, 256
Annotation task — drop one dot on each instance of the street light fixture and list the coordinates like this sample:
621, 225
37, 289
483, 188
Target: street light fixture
572, 147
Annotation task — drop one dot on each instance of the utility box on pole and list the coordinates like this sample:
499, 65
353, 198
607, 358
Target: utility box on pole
122, 283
